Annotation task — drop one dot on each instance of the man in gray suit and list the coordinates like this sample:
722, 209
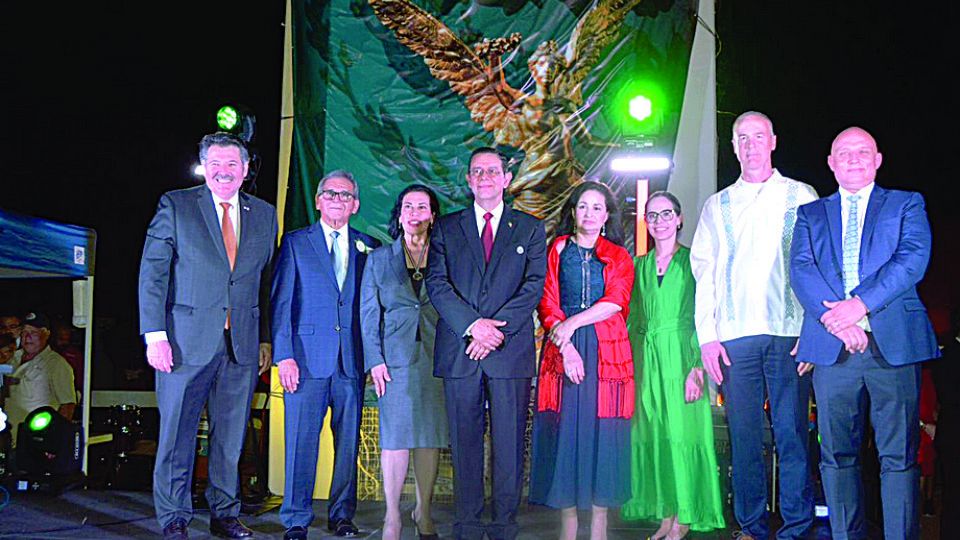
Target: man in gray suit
204, 280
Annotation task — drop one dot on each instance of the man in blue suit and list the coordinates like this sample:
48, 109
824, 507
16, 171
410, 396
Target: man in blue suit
204, 279
318, 350
485, 276
857, 257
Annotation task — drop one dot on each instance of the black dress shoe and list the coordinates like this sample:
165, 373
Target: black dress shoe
229, 527
175, 530
342, 527
295, 533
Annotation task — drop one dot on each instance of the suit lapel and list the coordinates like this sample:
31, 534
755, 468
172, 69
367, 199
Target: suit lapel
468, 227
209, 213
398, 265
504, 235
352, 254
247, 227
835, 230
319, 242
874, 207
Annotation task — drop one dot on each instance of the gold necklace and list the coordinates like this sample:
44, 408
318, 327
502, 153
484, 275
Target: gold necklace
417, 275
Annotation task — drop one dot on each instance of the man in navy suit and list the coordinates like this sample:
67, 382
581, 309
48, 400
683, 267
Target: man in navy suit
318, 349
857, 257
485, 276
204, 279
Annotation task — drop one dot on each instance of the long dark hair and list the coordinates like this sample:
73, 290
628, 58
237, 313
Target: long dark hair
394, 228
613, 229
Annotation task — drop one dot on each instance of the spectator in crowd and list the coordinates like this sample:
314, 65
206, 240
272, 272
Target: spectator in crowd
11, 324
42, 377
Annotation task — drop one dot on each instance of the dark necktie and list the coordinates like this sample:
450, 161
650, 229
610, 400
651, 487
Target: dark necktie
486, 237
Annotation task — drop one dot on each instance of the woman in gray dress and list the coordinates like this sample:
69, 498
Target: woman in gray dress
399, 325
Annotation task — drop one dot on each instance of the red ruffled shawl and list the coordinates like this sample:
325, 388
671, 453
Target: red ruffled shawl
615, 395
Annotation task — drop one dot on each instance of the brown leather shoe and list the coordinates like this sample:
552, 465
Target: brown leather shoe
176, 530
229, 527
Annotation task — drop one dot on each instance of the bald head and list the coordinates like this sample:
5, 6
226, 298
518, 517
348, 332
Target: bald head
854, 159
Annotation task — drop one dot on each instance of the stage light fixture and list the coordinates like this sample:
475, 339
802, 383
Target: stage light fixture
227, 118
641, 108
640, 164
40, 421
48, 443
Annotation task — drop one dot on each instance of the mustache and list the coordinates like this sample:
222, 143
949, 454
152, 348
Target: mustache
225, 176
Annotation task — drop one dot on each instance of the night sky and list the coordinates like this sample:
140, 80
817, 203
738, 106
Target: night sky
106, 102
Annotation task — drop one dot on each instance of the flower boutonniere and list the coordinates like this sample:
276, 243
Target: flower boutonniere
362, 248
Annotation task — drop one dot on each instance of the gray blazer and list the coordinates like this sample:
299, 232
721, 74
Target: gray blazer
390, 312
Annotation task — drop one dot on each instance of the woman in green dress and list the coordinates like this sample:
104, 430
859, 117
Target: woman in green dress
674, 467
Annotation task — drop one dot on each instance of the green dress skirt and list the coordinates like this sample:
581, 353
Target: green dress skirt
673, 465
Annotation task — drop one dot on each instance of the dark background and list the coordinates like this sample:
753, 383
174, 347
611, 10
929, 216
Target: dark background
105, 103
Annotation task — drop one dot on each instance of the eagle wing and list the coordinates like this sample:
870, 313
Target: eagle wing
491, 101
597, 29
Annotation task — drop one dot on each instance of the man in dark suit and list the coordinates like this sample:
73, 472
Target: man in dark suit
857, 257
318, 349
204, 279
485, 276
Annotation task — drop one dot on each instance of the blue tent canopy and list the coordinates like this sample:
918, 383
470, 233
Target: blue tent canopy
31, 247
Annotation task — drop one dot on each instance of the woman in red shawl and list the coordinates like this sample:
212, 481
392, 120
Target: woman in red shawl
585, 392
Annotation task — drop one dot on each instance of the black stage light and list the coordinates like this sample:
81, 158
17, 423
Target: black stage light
48, 443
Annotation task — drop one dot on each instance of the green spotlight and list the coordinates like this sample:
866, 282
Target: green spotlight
641, 108
227, 118
40, 421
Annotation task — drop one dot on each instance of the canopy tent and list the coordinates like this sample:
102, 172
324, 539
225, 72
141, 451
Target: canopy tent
37, 248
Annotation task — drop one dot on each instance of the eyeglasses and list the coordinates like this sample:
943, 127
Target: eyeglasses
331, 194
665, 215
490, 173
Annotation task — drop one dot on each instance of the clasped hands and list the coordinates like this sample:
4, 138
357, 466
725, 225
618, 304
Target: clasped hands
560, 336
841, 321
485, 337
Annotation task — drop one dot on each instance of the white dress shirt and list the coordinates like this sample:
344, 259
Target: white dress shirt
862, 202
739, 257
343, 242
161, 335
864, 194
494, 221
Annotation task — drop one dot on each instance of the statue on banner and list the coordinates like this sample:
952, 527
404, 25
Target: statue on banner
543, 124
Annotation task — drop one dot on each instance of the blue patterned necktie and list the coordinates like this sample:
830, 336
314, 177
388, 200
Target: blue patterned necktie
337, 258
851, 248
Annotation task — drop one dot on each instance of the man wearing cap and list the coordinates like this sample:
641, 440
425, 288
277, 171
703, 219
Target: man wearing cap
44, 377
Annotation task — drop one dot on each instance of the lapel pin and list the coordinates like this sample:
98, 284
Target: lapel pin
510, 224
520, 250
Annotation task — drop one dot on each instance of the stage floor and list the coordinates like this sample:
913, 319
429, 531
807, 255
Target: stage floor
90, 514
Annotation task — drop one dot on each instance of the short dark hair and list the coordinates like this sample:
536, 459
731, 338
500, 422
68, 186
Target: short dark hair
222, 138
614, 231
504, 163
339, 173
6, 340
394, 228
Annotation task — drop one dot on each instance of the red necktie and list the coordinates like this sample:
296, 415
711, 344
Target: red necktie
229, 235
229, 242
486, 237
